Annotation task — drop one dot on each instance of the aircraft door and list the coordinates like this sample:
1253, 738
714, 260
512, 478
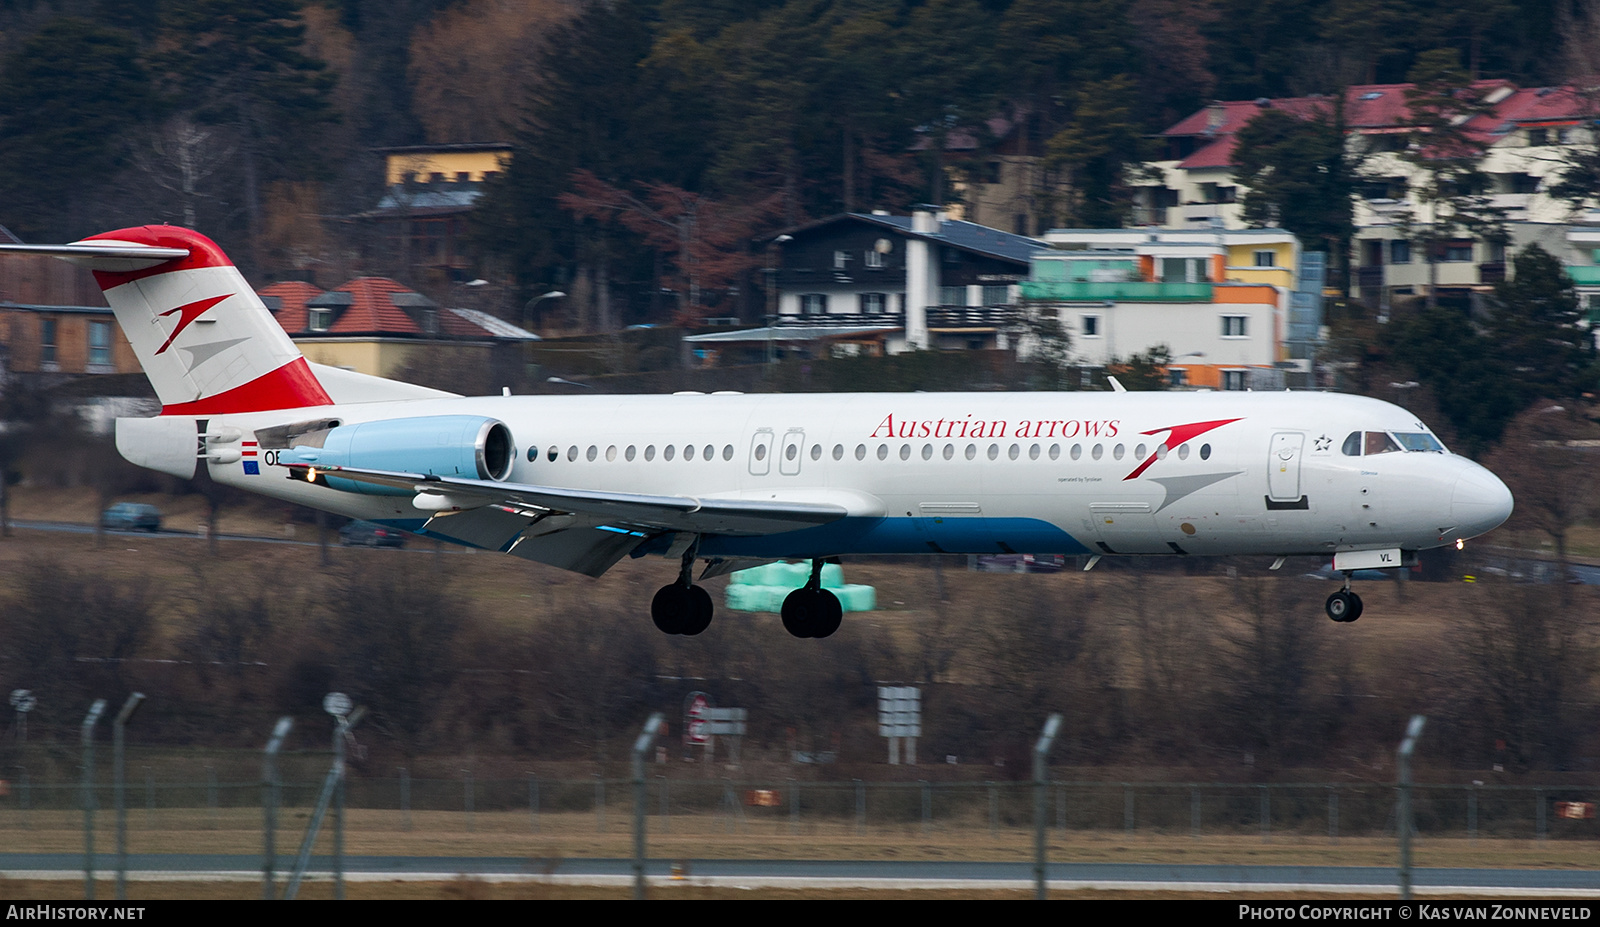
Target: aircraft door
1283, 466
794, 445
761, 452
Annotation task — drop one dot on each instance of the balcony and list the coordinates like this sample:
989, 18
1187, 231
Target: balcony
1492, 272
1128, 291
1584, 273
972, 318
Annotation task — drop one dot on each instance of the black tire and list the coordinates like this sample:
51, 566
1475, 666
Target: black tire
797, 612
1343, 606
669, 608
828, 616
698, 617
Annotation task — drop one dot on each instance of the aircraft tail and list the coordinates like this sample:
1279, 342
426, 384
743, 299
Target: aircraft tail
203, 337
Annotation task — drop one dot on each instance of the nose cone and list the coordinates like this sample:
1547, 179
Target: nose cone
1480, 502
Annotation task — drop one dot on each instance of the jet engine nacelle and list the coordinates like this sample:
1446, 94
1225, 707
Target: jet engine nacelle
468, 446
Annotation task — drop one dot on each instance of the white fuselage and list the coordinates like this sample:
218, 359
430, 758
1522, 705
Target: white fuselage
1065, 472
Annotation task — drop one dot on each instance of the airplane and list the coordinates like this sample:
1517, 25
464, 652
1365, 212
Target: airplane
731, 480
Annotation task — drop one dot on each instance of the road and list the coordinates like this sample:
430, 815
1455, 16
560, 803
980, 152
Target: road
1365, 880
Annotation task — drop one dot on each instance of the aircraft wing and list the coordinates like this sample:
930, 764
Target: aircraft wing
579, 529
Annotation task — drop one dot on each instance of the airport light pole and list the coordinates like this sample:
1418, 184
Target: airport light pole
1407, 748
652, 729
269, 806
1041, 751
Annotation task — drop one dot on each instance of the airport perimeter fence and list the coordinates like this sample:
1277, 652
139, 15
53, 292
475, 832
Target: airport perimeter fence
469, 816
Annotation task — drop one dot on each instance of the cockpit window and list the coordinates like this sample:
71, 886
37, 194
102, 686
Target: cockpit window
1418, 441
1379, 442
1352, 445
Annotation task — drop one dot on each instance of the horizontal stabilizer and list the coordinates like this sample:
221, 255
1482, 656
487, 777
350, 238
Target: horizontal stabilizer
116, 256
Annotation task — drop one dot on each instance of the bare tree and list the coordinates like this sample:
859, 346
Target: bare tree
1525, 669
1550, 458
1274, 693
180, 158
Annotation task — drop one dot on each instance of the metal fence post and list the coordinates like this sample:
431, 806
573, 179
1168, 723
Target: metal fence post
466, 800
119, 768
89, 721
666, 804
1472, 812
794, 807
533, 801
599, 804
1127, 808
1266, 815
652, 728
1333, 815
1194, 813
269, 806
861, 807
994, 808
927, 806
25, 798
211, 797
1538, 799
405, 799
1041, 751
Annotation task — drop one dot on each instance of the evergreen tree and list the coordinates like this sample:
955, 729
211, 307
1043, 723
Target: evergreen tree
1535, 329
1477, 390
1447, 156
1298, 178
600, 107
68, 99
242, 66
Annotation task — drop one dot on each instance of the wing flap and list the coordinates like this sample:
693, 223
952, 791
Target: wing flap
616, 509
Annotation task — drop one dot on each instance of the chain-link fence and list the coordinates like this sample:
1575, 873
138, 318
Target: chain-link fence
405, 815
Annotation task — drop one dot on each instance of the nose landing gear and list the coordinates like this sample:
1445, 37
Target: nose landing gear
682, 607
812, 611
1344, 605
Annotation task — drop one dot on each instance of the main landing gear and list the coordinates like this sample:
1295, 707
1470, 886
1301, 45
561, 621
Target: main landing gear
1344, 605
812, 611
682, 607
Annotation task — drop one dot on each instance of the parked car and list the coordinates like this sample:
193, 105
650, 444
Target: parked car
1022, 563
131, 516
371, 534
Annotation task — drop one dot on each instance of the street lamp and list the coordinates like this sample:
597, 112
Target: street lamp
528, 307
772, 289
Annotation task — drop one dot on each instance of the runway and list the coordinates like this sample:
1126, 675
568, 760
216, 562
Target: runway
883, 874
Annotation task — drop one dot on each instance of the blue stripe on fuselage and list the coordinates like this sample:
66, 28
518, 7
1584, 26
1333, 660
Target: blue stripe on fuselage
964, 535
942, 534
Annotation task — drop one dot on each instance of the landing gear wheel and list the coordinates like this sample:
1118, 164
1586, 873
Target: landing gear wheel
680, 609
1344, 606
811, 613
828, 616
698, 617
669, 608
796, 612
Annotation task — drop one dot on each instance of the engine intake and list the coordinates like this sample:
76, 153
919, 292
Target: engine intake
469, 446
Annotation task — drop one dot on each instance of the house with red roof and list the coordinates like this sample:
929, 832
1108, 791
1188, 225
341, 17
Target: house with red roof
376, 326
1526, 133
